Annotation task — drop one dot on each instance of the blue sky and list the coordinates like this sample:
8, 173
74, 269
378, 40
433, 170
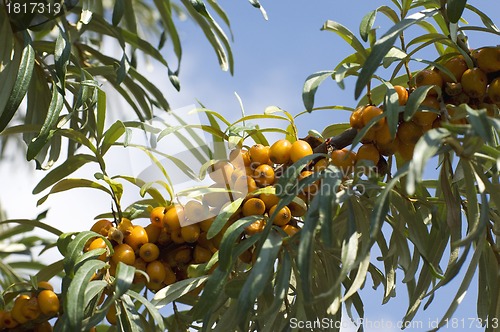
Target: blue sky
272, 60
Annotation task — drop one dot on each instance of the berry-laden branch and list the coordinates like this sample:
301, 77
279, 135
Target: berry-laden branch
336, 142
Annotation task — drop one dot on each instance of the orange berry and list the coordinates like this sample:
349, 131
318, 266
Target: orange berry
45, 285
426, 117
221, 171
244, 185
31, 309
102, 227
153, 232
8, 321
137, 237
383, 135
170, 276
488, 59
457, 66
140, 265
344, 159
156, 216
201, 255
99, 243
269, 200
149, 252
255, 227
429, 77
173, 217
474, 82
406, 151
402, 94
494, 90
368, 152
205, 224
17, 309
297, 209
321, 165
369, 136
388, 149
123, 253
190, 233
176, 236
371, 112
259, 154
156, 271
282, 217
48, 302
356, 120
290, 230
183, 255
299, 150
253, 206
125, 226
264, 175
196, 211
111, 315
279, 153
409, 132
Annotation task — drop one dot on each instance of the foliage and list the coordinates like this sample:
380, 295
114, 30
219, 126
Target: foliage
385, 204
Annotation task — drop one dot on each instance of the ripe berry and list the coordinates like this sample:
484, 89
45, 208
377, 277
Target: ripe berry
156, 216
255, 227
48, 302
269, 200
371, 112
474, 82
344, 159
190, 233
153, 232
299, 150
156, 271
254, 206
173, 217
356, 120
429, 77
137, 237
279, 153
264, 175
368, 152
402, 94
123, 253
149, 252
102, 227
259, 154
282, 217
457, 66
409, 132
98, 243
290, 230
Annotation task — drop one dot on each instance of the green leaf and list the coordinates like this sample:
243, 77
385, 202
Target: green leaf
383, 45
74, 305
367, 24
311, 85
23, 78
223, 217
427, 146
71, 164
33, 223
259, 274
464, 285
56, 105
67, 184
153, 311
455, 9
62, 53
101, 114
172, 292
111, 135
347, 35
414, 100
